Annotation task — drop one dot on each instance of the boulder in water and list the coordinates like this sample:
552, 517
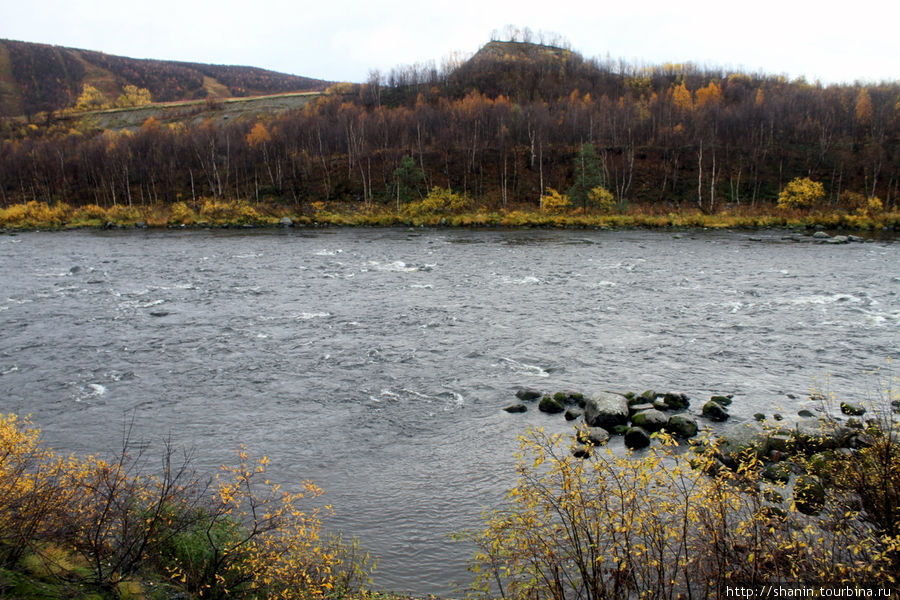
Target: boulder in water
606, 410
682, 426
715, 412
636, 438
528, 394
550, 405
650, 420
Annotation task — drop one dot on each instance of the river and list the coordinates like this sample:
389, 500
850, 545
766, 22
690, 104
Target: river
376, 362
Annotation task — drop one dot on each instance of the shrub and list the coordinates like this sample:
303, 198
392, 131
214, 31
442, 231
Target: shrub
602, 199
123, 214
554, 202
181, 214
223, 211
801, 193
439, 201
663, 524
104, 522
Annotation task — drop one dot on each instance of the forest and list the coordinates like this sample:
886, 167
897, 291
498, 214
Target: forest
506, 129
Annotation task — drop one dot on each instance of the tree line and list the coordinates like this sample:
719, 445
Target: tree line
502, 128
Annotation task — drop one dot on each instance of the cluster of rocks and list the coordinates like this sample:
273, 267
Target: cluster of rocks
785, 446
797, 452
604, 414
820, 237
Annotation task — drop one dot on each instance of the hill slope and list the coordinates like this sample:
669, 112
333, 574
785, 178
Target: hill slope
40, 77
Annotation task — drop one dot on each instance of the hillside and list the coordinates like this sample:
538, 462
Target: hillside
517, 125
40, 77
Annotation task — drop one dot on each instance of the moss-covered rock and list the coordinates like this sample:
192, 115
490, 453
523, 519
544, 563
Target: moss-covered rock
809, 495
550, 405
715, 412
573, 414
682, 426
723, 400
676, 401
528, 394
650, 420
777, 472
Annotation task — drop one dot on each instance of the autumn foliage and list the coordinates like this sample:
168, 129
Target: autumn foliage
675, 524
108, 525
500, 129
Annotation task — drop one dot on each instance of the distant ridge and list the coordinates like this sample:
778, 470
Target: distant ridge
41, 77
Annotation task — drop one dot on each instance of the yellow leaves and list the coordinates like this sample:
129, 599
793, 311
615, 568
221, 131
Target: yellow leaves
709, 96
91, 99
681, 98
801, 192
554, 202
132, 95
258, 135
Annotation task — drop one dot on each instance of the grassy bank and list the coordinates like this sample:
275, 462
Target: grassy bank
216, 213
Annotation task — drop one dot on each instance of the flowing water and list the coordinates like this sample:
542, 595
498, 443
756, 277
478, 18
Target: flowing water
377, 362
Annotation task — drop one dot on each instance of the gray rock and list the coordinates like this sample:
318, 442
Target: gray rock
820, 434
676, 401
573, 414
550, 405
854, 238
528, 394
838, 239
595, 436
516, 408
682, 426
286, 222
636, 438
821, 235
744, 437
715, 412
805, 413
636, 408
651, 420
606, 409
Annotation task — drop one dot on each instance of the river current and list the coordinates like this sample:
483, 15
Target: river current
377, 362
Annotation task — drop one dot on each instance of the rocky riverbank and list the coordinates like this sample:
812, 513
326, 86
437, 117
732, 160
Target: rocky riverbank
783, 446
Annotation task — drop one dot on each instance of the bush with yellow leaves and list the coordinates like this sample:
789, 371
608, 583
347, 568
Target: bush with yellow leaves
241, 537
439, 201
801, 192
224, 211
554, 202
663, 524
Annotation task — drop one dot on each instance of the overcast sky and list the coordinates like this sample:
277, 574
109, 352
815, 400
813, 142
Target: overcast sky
345, 39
